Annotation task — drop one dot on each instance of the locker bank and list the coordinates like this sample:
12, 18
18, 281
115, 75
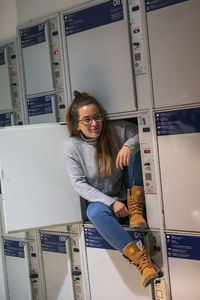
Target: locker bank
141, 60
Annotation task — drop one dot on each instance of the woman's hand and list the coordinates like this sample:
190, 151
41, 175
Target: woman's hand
123, 157
119, 209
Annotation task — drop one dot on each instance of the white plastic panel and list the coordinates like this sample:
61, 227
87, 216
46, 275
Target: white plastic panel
37, 62
58, 277
35, 185
179, 144
5, 92
184, 272
18, 277
100, 63
174, 50
111, 276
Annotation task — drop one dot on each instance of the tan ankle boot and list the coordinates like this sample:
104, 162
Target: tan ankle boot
135, 202
142, 261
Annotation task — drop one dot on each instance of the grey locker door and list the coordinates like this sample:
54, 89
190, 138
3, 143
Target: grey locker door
35, 186
99, 55
174, 50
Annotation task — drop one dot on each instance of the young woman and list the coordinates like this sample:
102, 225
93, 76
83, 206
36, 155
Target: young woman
96, 154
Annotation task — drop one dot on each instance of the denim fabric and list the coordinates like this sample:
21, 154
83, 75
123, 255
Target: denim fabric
102, 216
107, 225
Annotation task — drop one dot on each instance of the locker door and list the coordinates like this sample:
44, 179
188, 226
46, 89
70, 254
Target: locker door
179, 143
17, 265
184, 264
97, 46
57, 266
174, 51
36, 190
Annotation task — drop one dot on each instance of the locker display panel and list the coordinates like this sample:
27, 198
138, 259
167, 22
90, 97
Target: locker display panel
103, 67
41, 109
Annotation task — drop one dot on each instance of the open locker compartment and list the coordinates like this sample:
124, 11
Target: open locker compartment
36, 190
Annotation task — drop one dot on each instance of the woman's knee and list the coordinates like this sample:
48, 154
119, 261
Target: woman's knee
96, 210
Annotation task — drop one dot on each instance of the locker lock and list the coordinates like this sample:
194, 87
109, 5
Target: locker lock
34, 274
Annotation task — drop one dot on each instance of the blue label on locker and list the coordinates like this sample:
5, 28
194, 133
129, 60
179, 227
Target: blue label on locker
99, 15
181, 246
178, 121
14, 248
94, 240
5, 120
39, 105
53, 243
2, 56
32, 35
156, 4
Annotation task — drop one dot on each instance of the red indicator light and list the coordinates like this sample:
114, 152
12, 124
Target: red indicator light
147, 151
77, 268
34, 271
14, 74
56, 52
136, 30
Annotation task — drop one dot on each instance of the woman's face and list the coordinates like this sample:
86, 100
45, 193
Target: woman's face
90, 121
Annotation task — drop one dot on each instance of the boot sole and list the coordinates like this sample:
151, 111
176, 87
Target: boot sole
150, 280
138, 226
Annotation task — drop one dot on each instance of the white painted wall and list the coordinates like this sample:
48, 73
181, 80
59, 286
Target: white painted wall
28, 10
8, 19
17, 12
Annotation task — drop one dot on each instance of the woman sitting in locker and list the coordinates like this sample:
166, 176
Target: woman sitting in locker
96, 153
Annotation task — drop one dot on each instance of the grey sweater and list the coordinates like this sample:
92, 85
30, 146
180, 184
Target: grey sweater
80, 159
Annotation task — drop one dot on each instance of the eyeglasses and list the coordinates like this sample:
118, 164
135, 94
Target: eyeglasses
88, 120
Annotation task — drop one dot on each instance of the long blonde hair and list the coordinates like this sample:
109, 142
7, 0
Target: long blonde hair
105, 142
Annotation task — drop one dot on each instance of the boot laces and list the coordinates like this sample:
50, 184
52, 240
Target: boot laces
141, 260
135, 206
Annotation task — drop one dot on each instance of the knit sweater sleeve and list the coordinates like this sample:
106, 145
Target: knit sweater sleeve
78, 178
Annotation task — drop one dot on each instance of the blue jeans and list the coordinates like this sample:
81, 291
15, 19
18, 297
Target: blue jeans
104, 219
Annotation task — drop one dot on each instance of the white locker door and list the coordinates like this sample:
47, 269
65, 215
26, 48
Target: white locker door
36, 59
57, 266
174, 51
17, 267
5, 87
110, 274
36, 190
98, 49
179, 143
184, 266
